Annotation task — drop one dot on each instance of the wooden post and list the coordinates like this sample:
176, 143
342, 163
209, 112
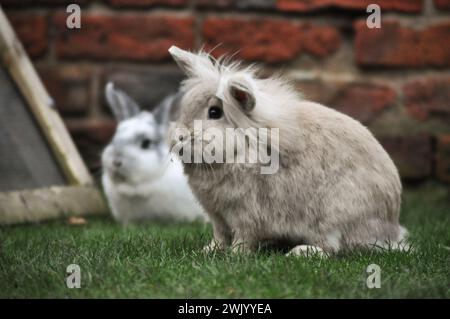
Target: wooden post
80, 197
49, 203
22, 71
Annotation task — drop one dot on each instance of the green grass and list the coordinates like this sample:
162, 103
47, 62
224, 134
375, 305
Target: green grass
165, 261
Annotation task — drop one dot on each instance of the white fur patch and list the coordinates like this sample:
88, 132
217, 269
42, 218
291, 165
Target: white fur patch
307, 251
334, 240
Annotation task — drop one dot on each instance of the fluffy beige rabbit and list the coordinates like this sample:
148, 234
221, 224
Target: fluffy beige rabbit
336, 188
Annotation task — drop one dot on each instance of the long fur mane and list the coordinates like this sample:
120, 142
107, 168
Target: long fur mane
276, 97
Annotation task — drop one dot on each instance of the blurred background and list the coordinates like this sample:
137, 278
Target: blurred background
396, 79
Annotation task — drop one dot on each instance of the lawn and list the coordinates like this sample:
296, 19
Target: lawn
165, 261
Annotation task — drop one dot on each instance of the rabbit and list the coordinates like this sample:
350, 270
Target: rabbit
336, 188
140, 179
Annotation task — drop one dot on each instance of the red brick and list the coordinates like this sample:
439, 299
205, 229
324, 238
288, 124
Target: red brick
396, 46
362, 101
410, 6
320, 41
128, 37
442, 4
262, 40
70, 87
23, 3
236, 4
411, 154
428, 97
32, 30
90, 137
99, 131
268, 40
443, 158
146, 3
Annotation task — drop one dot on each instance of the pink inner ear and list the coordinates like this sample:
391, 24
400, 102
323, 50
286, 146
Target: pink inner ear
240, 95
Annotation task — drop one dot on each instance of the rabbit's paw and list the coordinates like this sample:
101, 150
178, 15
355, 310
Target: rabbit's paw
307, 251
240, 247
213, 246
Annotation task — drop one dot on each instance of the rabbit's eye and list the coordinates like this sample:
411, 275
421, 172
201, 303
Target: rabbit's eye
215, 113
145, 144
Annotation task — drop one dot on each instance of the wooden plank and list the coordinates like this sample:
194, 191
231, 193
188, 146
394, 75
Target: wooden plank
22, 71
50, 203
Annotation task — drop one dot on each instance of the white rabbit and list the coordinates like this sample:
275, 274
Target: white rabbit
140, 178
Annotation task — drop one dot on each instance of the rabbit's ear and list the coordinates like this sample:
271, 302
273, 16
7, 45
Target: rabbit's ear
242, 94
122, 106
185, 59
162, 110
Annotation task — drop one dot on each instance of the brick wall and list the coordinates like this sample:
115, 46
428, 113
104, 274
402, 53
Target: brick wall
396, 79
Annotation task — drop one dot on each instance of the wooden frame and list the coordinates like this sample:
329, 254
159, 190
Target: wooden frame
18, 206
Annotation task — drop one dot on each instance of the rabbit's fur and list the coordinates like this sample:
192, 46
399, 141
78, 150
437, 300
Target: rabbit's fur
140, 178
336, 187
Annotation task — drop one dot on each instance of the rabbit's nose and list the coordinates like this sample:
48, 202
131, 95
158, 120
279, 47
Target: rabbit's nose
117, 163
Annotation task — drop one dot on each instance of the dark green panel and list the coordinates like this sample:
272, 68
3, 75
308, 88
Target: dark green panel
26, 160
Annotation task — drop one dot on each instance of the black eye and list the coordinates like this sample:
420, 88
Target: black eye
215, 112
145, 144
